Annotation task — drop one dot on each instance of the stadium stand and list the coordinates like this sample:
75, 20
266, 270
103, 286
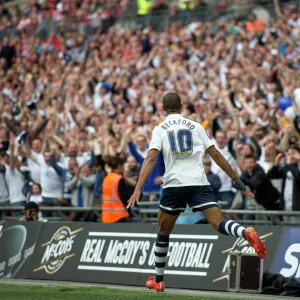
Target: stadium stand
82, 82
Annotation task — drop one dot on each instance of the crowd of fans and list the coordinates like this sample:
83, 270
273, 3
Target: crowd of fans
74, 107
37, 15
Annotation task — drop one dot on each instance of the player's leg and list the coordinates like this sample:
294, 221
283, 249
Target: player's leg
166, 223
170, 208
215, 218
229, 227
204, 200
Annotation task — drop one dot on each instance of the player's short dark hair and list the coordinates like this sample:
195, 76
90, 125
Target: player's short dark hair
251, 156
171, 102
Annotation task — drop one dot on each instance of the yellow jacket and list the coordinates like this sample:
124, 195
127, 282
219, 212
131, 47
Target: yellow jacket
143, 7
184, 4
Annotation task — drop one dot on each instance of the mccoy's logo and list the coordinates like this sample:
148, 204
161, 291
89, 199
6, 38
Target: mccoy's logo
58, 250
240, 245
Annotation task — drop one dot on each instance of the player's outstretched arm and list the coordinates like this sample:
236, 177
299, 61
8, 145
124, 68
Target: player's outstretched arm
225, 166
147, 167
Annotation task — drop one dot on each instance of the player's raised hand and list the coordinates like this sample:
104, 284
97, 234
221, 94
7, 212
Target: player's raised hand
239, 185
134, 199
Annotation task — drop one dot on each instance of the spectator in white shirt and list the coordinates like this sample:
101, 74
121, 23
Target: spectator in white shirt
72, 152
226, 194
35, 170
4, 199
36, 194
14, 178
51, 182
101, 97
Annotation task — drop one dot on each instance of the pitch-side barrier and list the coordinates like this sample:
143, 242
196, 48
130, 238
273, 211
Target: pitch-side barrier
124, 253
145, 214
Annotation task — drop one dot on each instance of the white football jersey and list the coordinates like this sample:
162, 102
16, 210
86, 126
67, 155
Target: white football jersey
183, 143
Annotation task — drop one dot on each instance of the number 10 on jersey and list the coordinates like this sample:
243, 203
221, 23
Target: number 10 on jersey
184, 141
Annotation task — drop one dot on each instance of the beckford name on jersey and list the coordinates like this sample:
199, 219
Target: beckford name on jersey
167, 124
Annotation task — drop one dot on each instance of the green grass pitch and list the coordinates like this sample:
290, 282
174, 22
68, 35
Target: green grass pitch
37, 292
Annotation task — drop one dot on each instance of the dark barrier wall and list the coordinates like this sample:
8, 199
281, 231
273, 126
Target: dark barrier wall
287, 260
18, 242
124, 253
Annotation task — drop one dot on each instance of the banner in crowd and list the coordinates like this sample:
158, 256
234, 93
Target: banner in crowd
124, 253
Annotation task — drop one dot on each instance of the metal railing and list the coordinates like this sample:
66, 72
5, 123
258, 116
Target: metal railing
146, 215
